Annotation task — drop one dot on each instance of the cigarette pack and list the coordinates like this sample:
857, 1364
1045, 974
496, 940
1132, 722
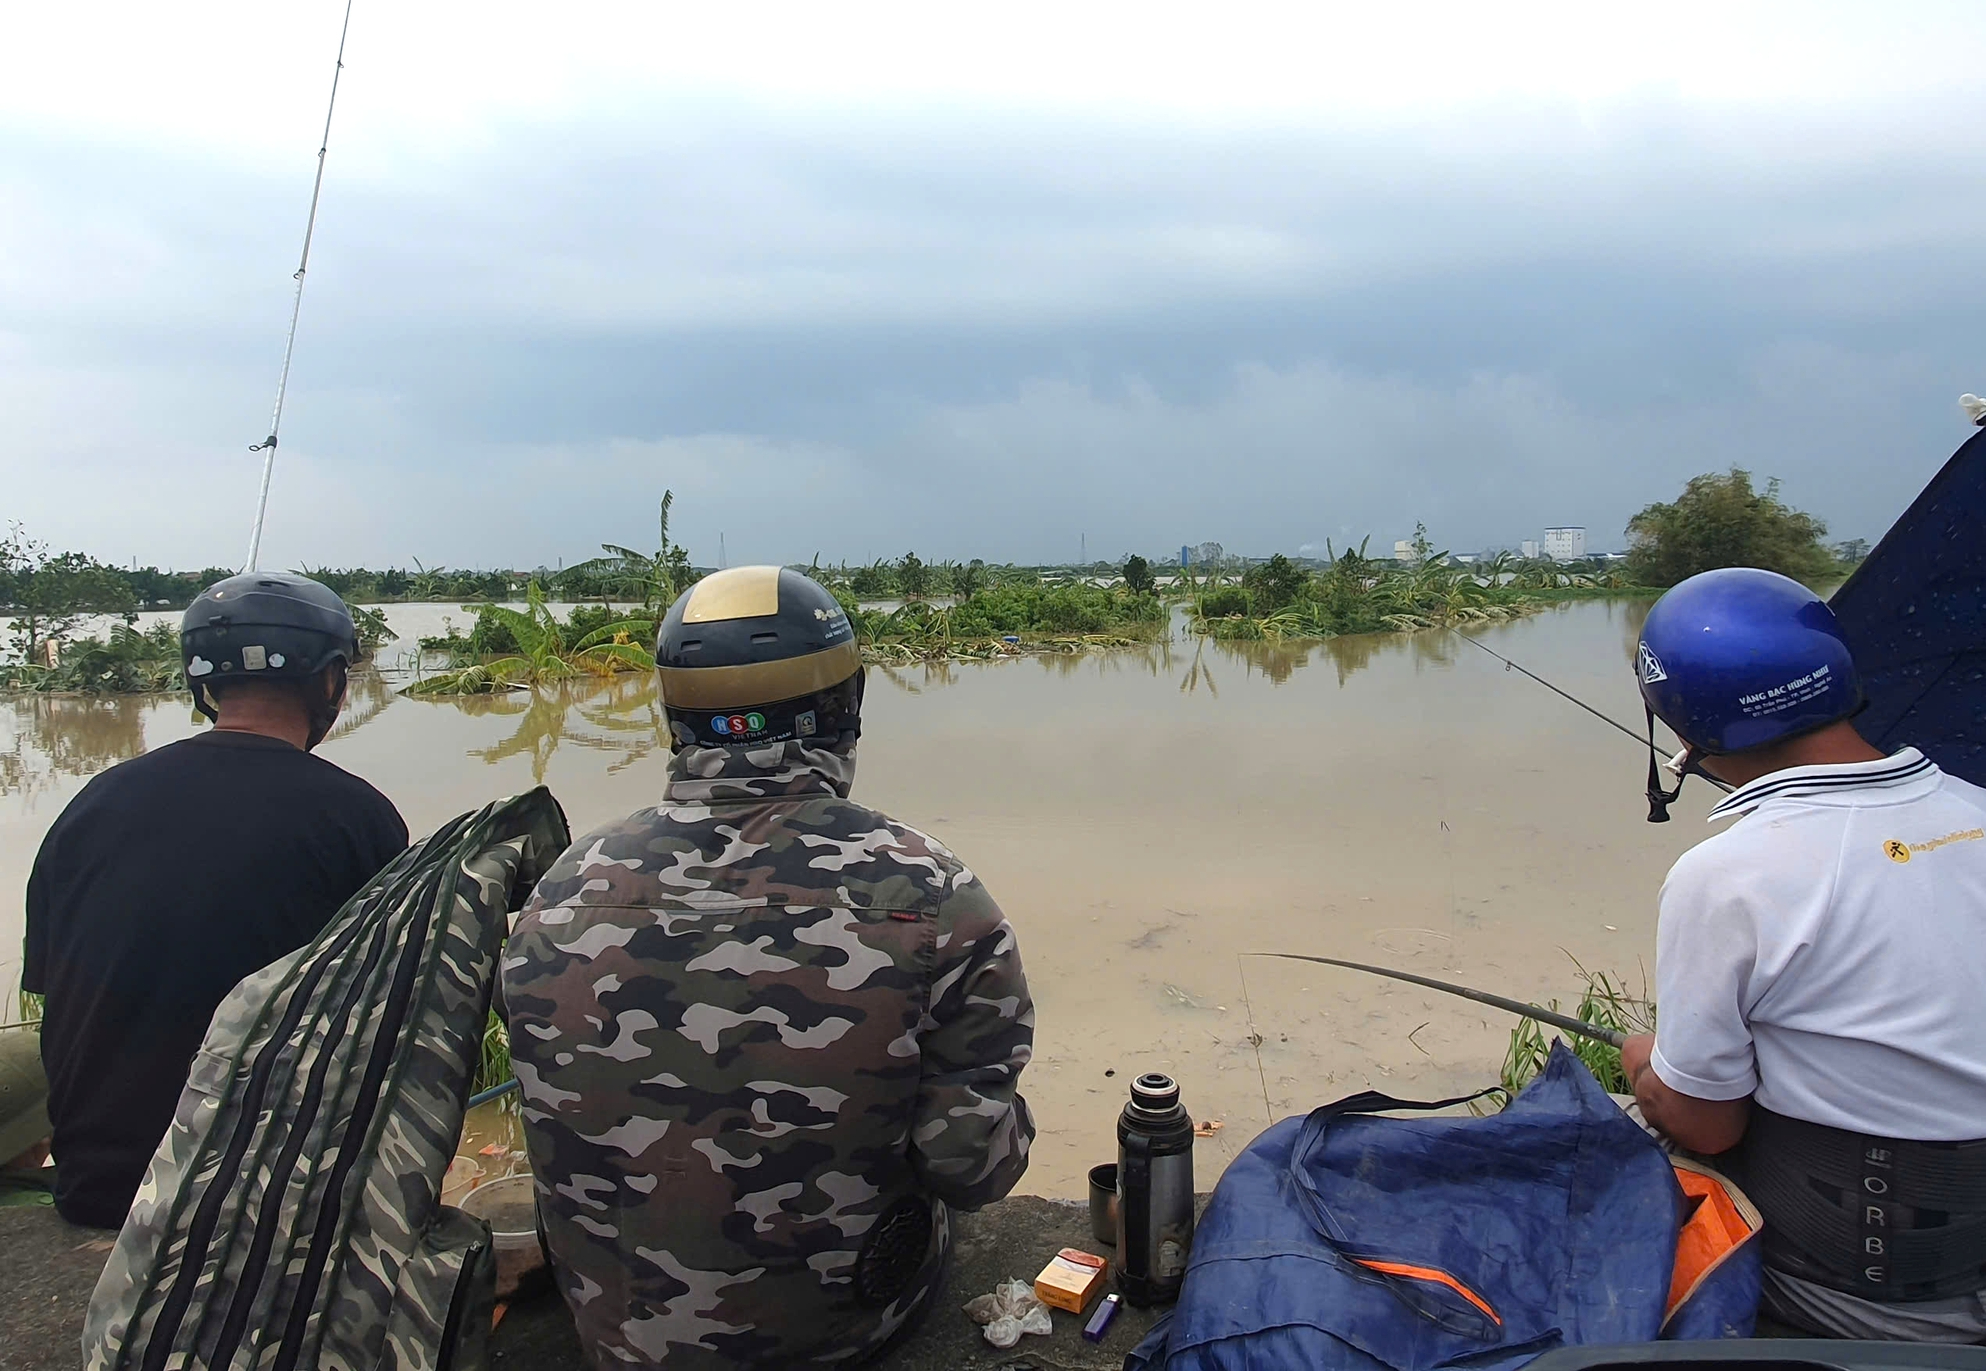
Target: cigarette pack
1071, 1280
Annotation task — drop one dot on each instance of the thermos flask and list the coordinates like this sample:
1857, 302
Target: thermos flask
1154, 1191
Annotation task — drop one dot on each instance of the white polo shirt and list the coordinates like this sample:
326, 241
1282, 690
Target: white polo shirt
1828, 953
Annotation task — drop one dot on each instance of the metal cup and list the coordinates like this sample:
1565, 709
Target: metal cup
1103, 1203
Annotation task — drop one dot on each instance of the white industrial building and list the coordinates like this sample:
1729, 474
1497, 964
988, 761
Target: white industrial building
1528, 549
1565, 544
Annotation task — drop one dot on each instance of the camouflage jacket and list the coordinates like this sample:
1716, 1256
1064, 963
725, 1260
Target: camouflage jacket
765, 1036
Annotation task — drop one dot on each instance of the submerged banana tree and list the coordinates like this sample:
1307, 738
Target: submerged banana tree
651, 581
543, 654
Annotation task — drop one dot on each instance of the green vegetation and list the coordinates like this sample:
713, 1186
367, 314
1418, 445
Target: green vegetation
652, 581
1721, 521
493, 1069
129, 661
910, 577
1354, 593
528, 647
1605, 1002
949, 609
29, 1014
1138, 578
1007, 620
48, 595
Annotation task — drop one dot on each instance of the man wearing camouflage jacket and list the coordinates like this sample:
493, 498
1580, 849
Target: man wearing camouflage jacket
766, 1037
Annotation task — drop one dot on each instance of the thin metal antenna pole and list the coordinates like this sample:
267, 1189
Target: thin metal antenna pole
267, 447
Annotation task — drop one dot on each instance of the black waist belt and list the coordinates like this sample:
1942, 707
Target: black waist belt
1887, 1219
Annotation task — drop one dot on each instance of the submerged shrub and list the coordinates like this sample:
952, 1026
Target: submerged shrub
1224, 602
1274, 583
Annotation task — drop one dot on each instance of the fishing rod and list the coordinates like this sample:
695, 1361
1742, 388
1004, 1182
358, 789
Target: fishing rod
1509, 665
495, 1092
267, 447
1644, 739
1579, 1027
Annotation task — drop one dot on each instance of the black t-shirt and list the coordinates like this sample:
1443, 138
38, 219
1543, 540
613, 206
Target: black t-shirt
166, 881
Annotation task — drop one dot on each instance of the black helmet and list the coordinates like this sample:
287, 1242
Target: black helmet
758, 654
262, 626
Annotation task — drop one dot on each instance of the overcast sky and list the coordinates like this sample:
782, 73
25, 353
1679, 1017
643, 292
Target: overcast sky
855, 279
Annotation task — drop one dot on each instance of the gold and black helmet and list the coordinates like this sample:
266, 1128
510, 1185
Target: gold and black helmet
758, 654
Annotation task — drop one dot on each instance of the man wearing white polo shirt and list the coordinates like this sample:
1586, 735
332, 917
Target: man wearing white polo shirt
1821, 971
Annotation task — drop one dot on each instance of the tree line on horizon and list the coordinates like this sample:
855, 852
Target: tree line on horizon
1719, 519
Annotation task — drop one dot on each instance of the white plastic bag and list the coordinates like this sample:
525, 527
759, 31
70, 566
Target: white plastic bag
1008, 1312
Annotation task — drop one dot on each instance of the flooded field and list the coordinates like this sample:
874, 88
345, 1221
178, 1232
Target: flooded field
1144, 817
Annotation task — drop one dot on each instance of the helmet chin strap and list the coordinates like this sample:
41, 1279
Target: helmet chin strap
1680, 766
324, 710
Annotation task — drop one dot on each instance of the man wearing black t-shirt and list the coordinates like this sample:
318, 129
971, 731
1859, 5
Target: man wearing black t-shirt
175, 874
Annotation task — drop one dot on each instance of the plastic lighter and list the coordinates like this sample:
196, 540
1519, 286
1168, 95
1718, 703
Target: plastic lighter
1099, 1323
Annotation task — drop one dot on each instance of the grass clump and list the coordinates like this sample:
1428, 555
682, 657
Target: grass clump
30, 1012
1606, 1002
493, 1068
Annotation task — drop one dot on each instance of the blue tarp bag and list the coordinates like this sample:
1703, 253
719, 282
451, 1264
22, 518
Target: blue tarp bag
1349, 1240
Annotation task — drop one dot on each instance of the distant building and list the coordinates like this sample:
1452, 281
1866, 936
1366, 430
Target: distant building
1528, 550
1185, 555
1403, 551
1565, 544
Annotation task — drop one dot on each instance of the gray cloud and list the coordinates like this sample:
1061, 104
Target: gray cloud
990, 336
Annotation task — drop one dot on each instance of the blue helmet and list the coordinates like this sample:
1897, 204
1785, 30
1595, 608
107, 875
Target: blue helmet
1740, 658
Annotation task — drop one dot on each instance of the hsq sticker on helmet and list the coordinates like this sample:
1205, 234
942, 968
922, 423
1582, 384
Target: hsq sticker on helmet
1650, 665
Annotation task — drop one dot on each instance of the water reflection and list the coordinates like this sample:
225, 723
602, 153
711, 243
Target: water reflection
1632, 615
366, 698
1277, 662
54, 736
618, 715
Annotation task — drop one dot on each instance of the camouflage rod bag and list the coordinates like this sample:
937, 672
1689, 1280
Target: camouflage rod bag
291, 1217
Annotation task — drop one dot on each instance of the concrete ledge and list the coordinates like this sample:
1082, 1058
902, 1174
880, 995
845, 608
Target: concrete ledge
48, 1269
1015, 1237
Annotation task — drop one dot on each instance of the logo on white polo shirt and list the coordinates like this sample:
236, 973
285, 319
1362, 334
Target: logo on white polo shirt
1899, 851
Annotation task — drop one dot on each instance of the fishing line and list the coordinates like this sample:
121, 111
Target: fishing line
267, 447
1607, 719
1255, 1037
1509, 665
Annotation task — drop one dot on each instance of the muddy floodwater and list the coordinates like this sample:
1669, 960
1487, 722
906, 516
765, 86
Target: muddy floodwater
1144, 818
